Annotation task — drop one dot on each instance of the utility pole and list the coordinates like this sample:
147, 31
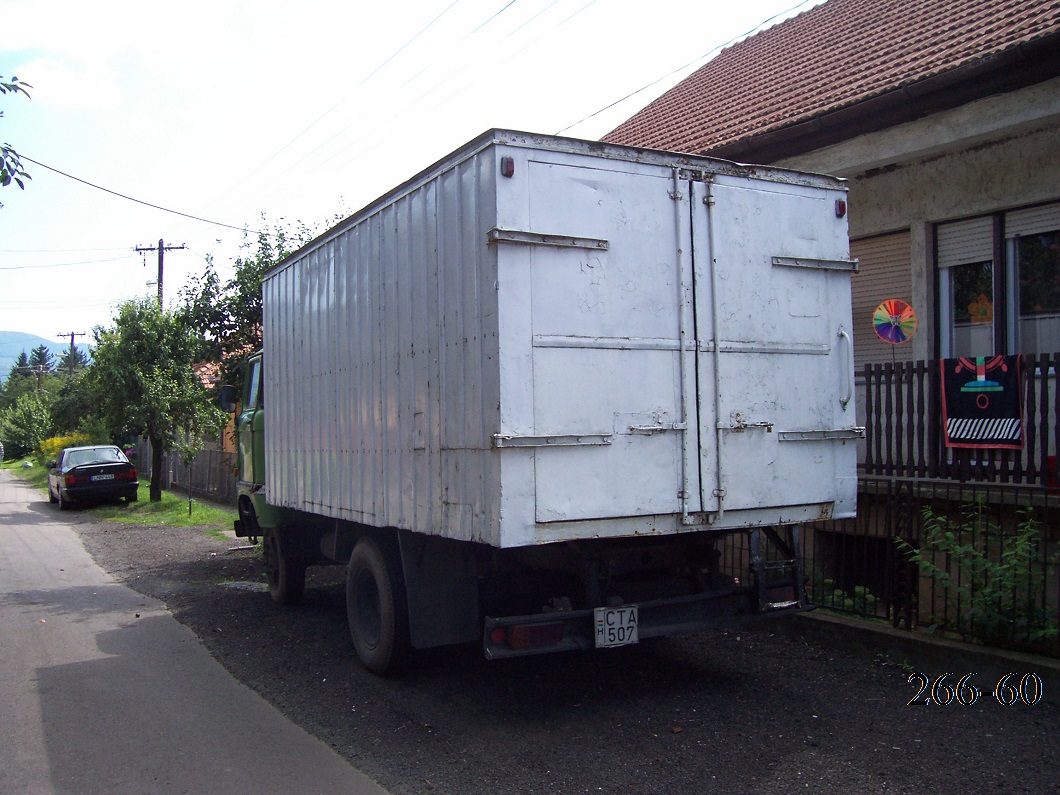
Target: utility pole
161, 249
39, 370
70, 353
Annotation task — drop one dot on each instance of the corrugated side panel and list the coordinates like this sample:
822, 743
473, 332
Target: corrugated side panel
381, 363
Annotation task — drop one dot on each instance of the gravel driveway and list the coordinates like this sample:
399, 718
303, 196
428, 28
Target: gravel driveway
717, 712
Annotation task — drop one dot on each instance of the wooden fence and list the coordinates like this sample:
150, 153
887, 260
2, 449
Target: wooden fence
904, 433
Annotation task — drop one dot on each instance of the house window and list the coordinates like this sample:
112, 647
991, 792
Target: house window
970, 294
966, 287
1033, 249
986, 308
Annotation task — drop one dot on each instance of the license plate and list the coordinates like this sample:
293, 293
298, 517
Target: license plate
102, 477
615, 626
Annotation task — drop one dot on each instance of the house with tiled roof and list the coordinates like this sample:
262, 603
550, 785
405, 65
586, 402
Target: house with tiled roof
944, 115
944, 118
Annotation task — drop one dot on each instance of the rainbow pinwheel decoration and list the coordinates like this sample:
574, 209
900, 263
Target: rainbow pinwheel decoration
894, 321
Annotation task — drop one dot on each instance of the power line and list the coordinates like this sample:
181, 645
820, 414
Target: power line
132, 199
400, 49
679, 69
60, 264
329, 111
56, 250
497, 14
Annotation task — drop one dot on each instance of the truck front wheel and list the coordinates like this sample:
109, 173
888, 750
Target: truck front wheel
284, 572
376, 608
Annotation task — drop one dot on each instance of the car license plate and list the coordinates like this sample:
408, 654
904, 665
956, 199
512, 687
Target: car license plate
616, 626
102, 477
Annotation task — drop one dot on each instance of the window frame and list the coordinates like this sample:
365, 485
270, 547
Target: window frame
1006, 298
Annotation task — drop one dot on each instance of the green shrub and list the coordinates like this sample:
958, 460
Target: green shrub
1000, 577
49, 449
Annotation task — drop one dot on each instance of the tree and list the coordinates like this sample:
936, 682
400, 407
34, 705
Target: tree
26, 423
142, 381
42, 358
73, 361
74, 406
228, 315
10, 163
20, 369
26, 377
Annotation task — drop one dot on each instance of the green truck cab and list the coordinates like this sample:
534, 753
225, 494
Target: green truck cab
284, 566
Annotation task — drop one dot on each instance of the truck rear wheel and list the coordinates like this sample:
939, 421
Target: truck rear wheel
376, 607
285, 572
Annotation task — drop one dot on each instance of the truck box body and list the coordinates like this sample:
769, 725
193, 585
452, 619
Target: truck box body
539, 339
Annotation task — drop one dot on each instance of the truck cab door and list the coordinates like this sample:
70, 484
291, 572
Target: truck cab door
250, 427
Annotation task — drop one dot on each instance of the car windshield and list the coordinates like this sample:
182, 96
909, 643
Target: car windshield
94, 455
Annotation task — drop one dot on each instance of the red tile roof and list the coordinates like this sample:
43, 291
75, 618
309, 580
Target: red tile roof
833, 56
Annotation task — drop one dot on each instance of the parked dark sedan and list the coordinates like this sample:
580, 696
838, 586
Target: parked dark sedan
91, 473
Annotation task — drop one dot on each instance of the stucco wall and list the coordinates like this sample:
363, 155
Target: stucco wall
995, 154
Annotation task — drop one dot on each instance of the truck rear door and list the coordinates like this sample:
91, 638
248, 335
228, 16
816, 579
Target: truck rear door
772, 275
609, 279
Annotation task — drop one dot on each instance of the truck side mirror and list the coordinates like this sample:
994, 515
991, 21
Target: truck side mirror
228, 398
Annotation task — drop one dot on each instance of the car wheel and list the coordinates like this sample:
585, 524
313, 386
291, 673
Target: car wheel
51, 497
376, 608
64, 504
131, 497
285, 572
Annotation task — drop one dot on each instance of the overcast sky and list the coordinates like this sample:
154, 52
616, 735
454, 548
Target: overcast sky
231, 111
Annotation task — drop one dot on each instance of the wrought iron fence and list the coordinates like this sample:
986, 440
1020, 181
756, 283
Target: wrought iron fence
979, 561
955, 540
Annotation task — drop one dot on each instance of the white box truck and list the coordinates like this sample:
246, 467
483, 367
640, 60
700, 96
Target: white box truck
530, 396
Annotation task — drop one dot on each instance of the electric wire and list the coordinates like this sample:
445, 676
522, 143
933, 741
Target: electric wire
330, 110
61, 264
375, 71
407, 43
133, 199
710, 53
497, 14
425, 96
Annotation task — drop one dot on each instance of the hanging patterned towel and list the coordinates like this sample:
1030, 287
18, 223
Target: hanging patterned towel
982, 402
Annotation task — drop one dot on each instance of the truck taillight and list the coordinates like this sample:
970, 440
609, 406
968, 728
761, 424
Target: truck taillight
534, 636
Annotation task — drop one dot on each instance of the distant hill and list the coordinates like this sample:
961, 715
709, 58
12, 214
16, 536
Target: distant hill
13, 343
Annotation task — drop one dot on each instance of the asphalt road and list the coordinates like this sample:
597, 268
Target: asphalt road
103, 691
731, 713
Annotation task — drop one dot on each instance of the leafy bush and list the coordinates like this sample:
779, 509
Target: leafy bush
860, 600
50, 448
25, 424
1000, 577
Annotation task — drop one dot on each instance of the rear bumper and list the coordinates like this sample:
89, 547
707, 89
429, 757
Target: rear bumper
100, 491
660, 618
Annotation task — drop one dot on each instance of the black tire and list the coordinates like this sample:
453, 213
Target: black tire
132, 497
376, 608
285, 572
64, 504
51, 497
